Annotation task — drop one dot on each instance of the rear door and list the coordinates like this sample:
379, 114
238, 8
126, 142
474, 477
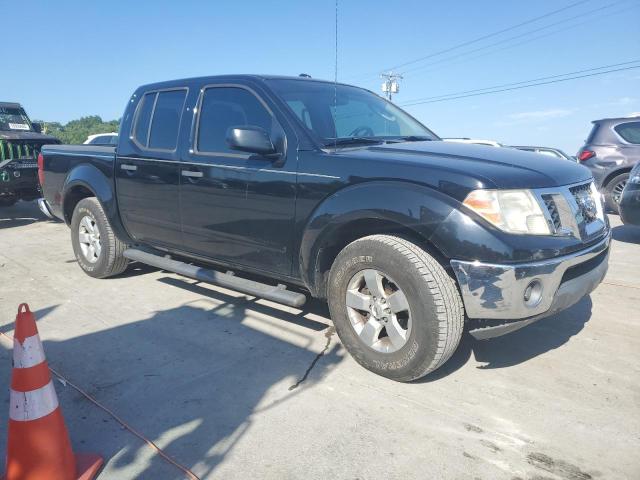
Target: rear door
148, 169
238, 208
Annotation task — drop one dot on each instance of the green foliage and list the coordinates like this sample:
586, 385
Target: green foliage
77, 131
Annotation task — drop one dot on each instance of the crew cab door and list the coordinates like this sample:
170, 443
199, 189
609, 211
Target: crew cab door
147, 170
237, 208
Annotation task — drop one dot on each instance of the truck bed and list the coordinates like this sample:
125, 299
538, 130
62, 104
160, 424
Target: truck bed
65, 163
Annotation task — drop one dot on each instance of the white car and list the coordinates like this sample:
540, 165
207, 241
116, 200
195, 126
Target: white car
102, 139
490, 143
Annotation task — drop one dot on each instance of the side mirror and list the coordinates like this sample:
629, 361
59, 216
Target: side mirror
250, 139
37, 127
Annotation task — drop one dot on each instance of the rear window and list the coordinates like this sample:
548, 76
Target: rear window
158, 119
630, 132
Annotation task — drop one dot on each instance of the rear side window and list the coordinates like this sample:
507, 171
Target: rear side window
158, 119
166, 120
630, 132
224, 107
143, 119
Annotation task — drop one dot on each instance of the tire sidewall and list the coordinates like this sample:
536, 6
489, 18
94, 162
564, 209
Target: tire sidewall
88, 208
421, 346
611, 203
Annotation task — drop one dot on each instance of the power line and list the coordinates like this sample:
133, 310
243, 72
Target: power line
489, 35
523, 82
516, 88
515, 37
528, 40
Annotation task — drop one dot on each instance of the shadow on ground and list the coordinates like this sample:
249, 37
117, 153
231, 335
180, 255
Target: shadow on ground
190, 378
20, 214
626, 233
522, 345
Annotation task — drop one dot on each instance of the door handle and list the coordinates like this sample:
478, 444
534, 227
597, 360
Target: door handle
191, 174
130, 168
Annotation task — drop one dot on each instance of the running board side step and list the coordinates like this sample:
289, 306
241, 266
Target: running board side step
277, 294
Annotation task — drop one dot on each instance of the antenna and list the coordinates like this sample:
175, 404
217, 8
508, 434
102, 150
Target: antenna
335, 84
390, 84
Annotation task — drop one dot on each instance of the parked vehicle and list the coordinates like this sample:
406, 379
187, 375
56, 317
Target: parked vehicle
102, 139
610, 152
551, 152
339, 194
20, 143
630, 201
476, 141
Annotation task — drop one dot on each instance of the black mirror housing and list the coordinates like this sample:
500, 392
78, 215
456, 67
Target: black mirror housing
251, 139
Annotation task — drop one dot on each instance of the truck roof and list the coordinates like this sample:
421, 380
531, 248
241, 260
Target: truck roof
234, 77
10, 105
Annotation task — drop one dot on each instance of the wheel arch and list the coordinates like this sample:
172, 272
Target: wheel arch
395, 208
88, 181
611, 175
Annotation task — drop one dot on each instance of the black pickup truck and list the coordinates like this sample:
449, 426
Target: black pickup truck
292, 187
20, 143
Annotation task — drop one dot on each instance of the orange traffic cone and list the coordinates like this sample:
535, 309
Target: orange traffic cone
38, 447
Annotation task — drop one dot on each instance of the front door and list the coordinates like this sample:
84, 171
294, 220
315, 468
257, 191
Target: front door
148, 171
237, 208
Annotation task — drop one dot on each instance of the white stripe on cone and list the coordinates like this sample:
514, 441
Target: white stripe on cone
38, 403
29, 353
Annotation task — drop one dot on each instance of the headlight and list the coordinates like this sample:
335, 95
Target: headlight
514, 211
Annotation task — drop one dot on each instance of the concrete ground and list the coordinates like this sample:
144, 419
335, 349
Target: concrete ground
210, 376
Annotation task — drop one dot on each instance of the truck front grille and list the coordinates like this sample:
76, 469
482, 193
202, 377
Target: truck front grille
573, 210
587, 207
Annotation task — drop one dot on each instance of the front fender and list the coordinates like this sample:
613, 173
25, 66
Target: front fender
405, 204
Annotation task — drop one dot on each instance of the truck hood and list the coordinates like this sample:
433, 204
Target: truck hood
490, 167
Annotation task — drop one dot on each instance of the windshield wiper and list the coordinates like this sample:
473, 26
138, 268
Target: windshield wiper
353, 141
411, 138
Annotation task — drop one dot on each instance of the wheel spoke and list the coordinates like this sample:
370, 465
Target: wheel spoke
97, 249
90, 252
84, 237
371, 331
358, 300
398, 302
373, 280
397, 335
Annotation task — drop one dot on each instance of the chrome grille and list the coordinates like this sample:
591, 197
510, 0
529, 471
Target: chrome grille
554, 214
587, 207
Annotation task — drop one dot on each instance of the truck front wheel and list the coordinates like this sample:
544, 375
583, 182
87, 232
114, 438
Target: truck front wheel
97, 249
395, 308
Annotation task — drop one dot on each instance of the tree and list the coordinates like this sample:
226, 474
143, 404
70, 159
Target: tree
77, 131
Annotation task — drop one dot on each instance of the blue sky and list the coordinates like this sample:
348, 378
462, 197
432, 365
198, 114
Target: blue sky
63, 60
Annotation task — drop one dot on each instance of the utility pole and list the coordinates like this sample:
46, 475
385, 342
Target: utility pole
391, 83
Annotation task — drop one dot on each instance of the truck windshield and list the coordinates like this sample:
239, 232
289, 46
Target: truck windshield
14, 118
347, 115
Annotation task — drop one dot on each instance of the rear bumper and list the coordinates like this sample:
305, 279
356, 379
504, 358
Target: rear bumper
499, 292
44, 208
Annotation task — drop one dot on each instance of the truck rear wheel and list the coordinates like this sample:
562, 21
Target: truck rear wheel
97, 249
395, 308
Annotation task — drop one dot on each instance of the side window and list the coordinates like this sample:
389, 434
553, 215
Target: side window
630, 132
224, 107
143, 118
166, 120
300, 109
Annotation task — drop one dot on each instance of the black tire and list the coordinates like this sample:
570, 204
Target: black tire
610, 191
8, 201
110, 261
436, 308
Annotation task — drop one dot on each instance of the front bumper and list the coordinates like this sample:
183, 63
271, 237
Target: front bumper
529, 291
